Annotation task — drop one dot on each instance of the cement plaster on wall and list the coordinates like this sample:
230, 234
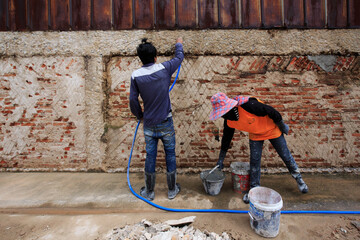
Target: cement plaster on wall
93, 48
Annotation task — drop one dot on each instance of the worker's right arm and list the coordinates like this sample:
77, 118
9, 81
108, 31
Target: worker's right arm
228, 134
173, 64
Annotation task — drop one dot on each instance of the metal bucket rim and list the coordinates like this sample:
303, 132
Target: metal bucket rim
210, 180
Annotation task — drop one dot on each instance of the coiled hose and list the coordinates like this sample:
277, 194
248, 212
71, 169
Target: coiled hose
211, 210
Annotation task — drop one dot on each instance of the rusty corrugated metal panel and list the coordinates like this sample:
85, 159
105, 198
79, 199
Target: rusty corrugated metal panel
3, 13
337, 13
171, 14
315, 13
165, 14
186, 13
294, 13
123, 14
272, 13
81, 14
101, 15
251, 13
38, 15
17, 15
208, 14
354, 13
60, 15
144, 14
229, 13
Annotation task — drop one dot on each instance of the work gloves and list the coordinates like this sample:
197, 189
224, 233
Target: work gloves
221, 159
284, 128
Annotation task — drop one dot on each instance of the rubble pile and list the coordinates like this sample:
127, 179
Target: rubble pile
169, 230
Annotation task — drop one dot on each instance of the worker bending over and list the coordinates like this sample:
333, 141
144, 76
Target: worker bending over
262, 122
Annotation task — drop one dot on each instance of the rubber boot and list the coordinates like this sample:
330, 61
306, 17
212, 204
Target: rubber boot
301, 184
246, 198
148, 191
174, 188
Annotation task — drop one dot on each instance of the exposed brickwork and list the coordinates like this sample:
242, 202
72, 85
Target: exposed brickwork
41, 112
322, 109
45, 123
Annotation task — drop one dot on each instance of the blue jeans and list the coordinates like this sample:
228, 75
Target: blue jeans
164, 131
255, 159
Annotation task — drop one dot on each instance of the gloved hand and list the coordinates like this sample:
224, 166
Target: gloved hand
221, 159
284, 128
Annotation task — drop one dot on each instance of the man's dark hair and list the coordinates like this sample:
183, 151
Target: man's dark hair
146, 52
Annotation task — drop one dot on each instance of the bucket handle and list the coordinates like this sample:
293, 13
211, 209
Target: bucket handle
265, 217
256, 219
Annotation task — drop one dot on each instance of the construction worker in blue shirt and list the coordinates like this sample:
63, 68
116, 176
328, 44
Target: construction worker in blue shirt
152, 82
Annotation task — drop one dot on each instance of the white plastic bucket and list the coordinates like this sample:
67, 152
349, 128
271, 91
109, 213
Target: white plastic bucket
265, 206
240, 176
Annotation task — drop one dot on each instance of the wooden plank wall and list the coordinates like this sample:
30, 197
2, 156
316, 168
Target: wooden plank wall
67, 15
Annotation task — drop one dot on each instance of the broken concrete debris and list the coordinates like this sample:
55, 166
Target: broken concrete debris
171, 229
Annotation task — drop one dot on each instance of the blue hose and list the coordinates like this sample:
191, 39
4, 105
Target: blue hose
210, 210
177, 75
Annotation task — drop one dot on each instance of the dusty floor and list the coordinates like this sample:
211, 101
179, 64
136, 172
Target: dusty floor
89, 206
97, 226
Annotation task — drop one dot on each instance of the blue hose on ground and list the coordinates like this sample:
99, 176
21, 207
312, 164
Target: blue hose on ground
210, 210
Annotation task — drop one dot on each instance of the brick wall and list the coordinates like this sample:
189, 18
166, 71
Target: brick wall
42, 113
318, 98
64, 97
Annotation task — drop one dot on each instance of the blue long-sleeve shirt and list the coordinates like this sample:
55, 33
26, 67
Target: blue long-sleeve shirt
152, 82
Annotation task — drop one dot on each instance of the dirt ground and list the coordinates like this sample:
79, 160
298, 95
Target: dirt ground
98, 226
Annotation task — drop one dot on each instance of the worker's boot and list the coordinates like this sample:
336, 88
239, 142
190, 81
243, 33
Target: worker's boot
174, 188
301, 184
148, 191
246, 198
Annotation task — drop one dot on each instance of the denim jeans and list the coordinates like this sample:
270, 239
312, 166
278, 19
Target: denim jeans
164, 131
255, 159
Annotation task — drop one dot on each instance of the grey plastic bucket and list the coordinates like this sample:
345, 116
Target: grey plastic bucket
265, 206
240, 176
212, 182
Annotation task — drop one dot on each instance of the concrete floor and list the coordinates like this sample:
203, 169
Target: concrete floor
109, 192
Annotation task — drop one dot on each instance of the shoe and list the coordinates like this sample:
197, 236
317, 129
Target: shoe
302, 185
174, 188
148, 191
246, 198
